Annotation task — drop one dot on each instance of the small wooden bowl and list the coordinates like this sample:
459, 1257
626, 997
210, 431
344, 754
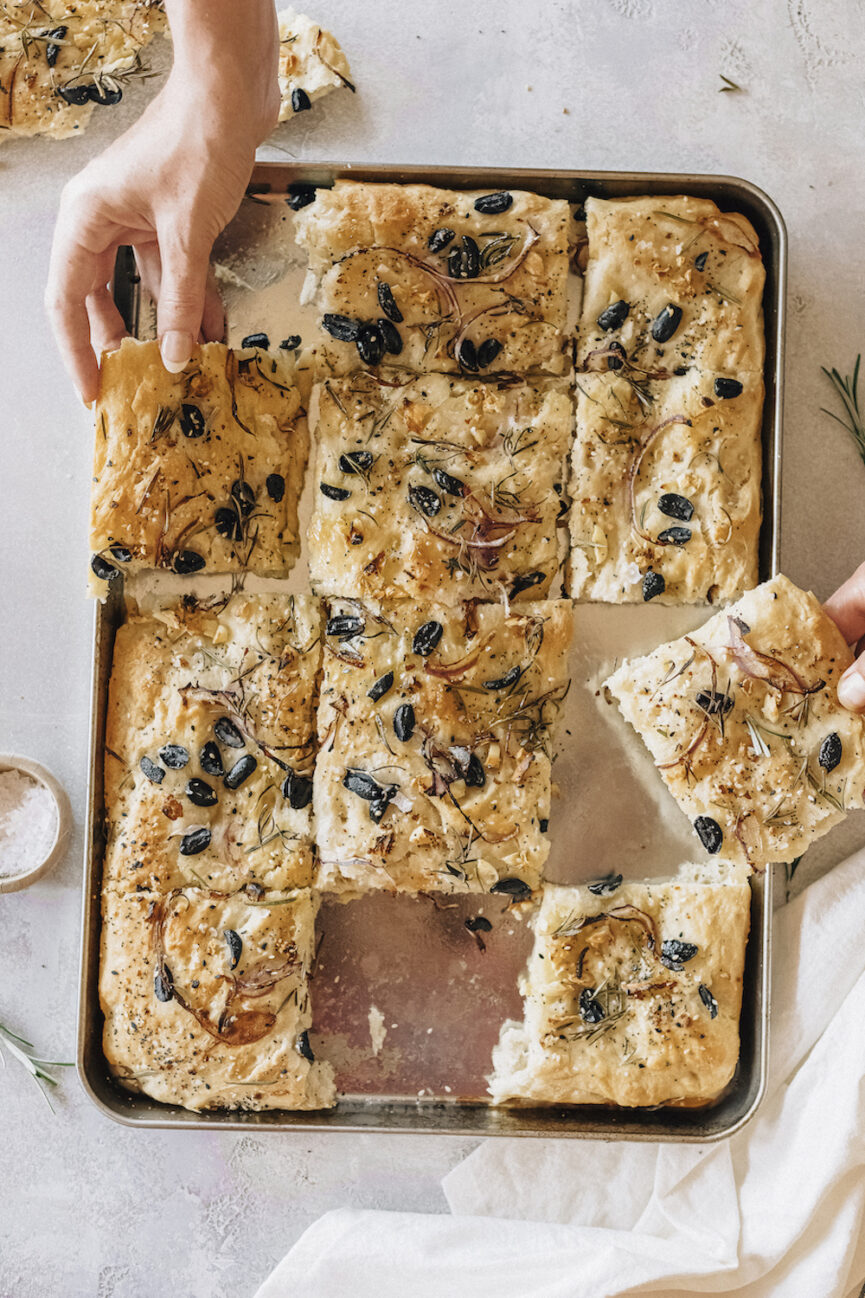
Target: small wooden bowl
37, 772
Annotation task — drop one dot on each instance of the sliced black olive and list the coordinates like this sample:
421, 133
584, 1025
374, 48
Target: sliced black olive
362, 784
297, 791
381, 687
104, 95
676, 954
709, 1001
473, 772
465, 262
403, 722
240, 771
303, 1047
300, 195
675, 506
617, 356
211, 759
192, 422
727, 388
525, 581
291, 343
340, 327
700, 260
709, 833
200, 793
387, 302
256, 340
154, 773
714, 702
453, 486
228, 523
379, 806
591, 1010
390, 336
227, 733
439, 239
426, 638
344, 626
175, 756
300, 100
675, 536
244, 495
186, 562
425, 500
333, 493
275, 485
75, 95
467, 355
666, 323
234, 942
356, 461
104, 570
502, 682
614, 316
830, 752
653, 584
194, 842
121, 553
478, 924
487, 352
163, 983
370, 344
492, 204
52, 50
610, 883
543, 824
514, 888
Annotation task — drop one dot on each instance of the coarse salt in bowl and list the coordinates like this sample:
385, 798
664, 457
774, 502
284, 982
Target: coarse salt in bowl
34, 822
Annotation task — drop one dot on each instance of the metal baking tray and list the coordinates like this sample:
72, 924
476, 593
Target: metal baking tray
438, 998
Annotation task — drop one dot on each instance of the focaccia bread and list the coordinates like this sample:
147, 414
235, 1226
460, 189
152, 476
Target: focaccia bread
633, 993
206, 998
665, 489
437, 488
199, 471
442, 280
433, 771
210, 738
743, 721
311, 63
59, 59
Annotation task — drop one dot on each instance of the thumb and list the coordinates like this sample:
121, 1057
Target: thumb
185, 261
851, 687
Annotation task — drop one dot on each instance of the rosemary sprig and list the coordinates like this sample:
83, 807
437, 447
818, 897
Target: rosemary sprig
848, 390
22, 1050
729, 87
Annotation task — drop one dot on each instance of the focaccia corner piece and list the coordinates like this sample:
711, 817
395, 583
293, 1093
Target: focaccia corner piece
434, 759
437, 488
59, 59
633, 993
743, 721
665, 490
311, 63
210, 745
199, 471
206, 999
470, 282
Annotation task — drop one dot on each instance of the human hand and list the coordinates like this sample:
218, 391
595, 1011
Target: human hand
847, 609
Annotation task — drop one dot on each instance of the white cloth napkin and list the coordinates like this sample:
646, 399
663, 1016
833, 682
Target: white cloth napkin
775, 1210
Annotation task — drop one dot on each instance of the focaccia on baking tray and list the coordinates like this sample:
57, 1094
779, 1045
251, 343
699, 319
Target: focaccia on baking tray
311, 63
632, 995
437, 488
436, 279
199, 471
210, 738
434, 725
743, 721
206, 998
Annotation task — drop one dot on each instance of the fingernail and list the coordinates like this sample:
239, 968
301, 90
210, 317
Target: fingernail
851, 690
176, 350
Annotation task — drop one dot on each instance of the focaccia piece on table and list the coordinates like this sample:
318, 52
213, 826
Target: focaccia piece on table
311, 63
438, 279
437, 488
633, 993
210, 742
743, 721
206, 998
675, 283
433, 771
665, 490
59, 59
199, 471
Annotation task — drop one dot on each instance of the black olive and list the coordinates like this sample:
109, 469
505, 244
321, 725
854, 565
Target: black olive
514, 888
186, 562
154, 773
492, 204
666, 323
680, 370
676, 954
727, 388
613, 317
676, 506
363, 785
244, 495
240, 771
403, 722
714, 702
344, 626
378, 806
543, 824
478, 924
254, 890
340, 327
175, 756
611, 883
303, 1047
52, 50
653, 584
465, 262
370, 344
104, 570
297, 791
75, 95
709, 833
525, 581
300, 100
234, 942
275, 485
700, 260
381, 687
502, 682
467, 355
830, 752
453, 486
426, 638
163, 983
618, 356
591, 1010
192, 421
675, 536
104, 95
300, 195
211, 759
356, 461
227, 733
200, 793
256, 340
194, 842
387, 302
425, 500
390, 336
709, 1001
473, 772
487, 352
228, 523
439, 239
291, 343
121, 553
334, 493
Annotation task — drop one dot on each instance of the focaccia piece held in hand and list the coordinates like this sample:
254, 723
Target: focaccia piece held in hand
311, 63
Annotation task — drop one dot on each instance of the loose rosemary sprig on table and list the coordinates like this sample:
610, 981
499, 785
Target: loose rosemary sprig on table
23, 1051
848, 390
729, 87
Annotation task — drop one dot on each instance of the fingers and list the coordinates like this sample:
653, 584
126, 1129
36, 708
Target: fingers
847, 609
107, 329
213, 323
180, 309
74, 273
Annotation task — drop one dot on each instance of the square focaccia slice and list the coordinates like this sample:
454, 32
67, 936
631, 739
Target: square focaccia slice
672, 283
199, 471
437, 488
633, 993
210, 746
743, 721
433, 771
665, 490
206, 998
470, 282
311, 63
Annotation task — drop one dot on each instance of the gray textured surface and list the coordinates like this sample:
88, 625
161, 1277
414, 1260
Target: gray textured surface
88, 1208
